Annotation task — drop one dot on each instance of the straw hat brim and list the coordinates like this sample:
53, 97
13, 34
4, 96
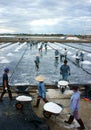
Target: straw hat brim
40, 78
37, 54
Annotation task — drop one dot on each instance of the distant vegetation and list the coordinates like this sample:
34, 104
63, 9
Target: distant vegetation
26, 34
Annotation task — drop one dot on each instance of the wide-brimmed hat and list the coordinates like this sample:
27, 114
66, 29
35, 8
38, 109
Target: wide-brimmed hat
37, 54
40, 78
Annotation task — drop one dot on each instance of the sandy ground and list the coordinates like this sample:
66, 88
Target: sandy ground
64, 99
54, 122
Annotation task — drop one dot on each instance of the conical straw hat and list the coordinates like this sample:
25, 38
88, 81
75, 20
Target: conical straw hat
40, 78
37, 54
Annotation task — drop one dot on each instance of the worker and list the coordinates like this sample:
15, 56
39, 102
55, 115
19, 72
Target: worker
81, 56
65, 70
65, 53
56, 55
74, 106
41, 90
37, 61
6, 86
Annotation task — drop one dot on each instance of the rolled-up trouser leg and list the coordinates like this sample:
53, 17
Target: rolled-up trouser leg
45, 100
70, 120
38, 101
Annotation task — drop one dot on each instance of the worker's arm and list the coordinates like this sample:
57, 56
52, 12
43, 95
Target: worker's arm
5, 84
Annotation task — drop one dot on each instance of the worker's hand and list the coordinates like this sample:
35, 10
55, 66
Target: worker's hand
71, 113
60, 72
69, 73
5, 88
43, 95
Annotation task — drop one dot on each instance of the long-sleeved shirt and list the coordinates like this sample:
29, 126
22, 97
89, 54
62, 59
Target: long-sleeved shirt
75, 101
37, 59
56, 53
41, 90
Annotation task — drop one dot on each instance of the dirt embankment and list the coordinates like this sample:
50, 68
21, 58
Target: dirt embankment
40, 39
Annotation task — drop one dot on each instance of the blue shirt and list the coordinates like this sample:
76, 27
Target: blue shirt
56, 52
75, 101
37, 59
81, 54
41, 90
64, 69
5, 78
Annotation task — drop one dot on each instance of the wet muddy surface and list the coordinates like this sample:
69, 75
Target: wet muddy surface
19, 57
11, 118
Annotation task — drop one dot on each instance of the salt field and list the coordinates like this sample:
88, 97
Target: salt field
19, 58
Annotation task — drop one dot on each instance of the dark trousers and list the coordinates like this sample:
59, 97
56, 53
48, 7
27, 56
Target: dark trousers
38, 101
36, 65
9, 93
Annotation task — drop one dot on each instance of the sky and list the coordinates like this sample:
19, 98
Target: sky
45, 16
